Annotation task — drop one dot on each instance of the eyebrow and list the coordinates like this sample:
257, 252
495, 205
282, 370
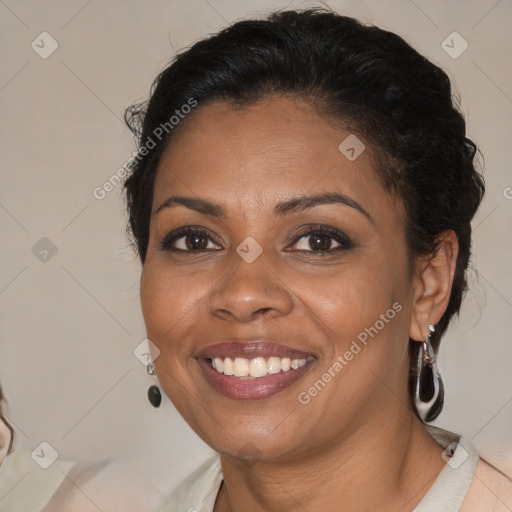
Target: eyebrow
294, 205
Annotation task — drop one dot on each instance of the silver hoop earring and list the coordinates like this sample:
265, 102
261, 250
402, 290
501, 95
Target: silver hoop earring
154, 395
429, 385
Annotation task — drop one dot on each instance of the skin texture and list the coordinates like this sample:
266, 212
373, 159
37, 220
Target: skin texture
356, 442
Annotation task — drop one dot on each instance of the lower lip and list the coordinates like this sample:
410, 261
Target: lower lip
251, 389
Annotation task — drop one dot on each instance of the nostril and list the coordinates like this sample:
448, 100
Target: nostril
262, 311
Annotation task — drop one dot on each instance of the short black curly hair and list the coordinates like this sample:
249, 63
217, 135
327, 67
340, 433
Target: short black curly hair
361, 76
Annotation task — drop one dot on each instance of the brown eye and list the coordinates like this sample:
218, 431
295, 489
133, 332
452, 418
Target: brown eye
321, 240
196, 242
188, 240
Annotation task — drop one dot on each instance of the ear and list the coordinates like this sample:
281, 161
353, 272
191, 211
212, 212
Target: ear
432, 285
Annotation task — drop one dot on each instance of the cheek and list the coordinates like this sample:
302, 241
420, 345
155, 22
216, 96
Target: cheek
170, 302
351, 297
366, 325
361, 310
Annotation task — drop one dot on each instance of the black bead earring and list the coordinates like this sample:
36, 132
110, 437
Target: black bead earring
154, 395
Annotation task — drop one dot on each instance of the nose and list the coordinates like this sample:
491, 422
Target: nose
249, 291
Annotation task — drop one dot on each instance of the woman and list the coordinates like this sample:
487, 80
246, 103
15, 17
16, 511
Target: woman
301, 205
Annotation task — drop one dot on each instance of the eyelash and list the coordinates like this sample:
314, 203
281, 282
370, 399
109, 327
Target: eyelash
166, 244
323, 230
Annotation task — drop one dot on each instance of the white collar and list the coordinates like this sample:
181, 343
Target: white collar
452, 484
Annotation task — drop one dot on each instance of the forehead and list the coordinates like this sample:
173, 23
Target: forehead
275, 149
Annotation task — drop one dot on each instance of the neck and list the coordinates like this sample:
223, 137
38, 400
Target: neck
391, 462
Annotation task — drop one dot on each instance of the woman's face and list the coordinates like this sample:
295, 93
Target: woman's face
252, 282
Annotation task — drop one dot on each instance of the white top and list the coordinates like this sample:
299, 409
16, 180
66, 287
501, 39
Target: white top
450, 492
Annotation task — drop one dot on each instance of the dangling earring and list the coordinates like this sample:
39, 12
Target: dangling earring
429, 385
154, 395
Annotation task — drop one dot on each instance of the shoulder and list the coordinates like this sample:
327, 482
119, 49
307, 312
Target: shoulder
114, 484
468, 483
26, 485
198, 491
490, 490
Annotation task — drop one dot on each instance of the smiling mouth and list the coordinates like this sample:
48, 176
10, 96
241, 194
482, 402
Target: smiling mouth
245, 386
252, 369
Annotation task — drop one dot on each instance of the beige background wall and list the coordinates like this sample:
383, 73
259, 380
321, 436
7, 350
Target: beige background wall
69, 325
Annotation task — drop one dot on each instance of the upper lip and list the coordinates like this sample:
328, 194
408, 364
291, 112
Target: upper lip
250, 349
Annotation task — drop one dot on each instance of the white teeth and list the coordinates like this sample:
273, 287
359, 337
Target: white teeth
274, 365
228, 367
241, 367
257, 367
